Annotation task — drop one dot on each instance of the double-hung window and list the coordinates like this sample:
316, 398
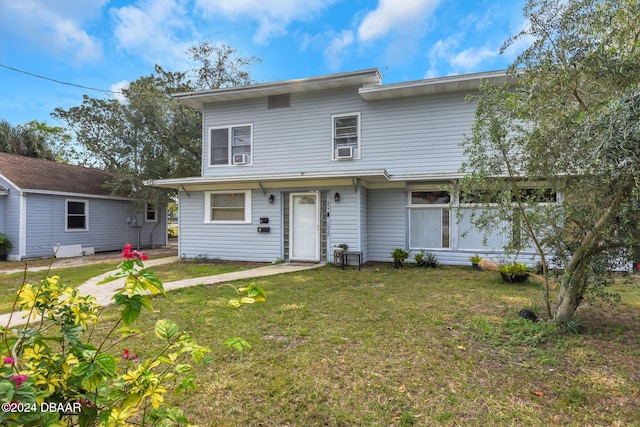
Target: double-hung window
151, 213
346, 136
230, 145
76, 215
227, 207
429, 219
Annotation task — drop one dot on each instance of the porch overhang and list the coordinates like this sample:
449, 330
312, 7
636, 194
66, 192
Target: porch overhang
369, 178
274, 180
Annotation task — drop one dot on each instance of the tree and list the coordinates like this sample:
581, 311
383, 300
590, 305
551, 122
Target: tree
567, 121
145, 133
24, 141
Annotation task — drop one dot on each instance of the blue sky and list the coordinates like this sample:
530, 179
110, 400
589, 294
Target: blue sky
104, 44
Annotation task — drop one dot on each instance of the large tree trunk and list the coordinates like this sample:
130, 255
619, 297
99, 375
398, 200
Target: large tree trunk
570, 295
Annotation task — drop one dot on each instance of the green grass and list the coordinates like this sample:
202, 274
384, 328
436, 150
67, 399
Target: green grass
381, 347
185, 269
74, 276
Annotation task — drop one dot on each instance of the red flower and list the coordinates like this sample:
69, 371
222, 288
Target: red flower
126, 355
19, 379
9, 361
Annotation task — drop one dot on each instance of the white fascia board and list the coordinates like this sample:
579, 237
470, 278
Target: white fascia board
458, 83
67, 194
176, 183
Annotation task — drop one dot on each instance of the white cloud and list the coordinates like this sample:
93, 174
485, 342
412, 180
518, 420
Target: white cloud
335, 51
117, 88
407, 16
272, 16
469, 59
150, 30
55, 27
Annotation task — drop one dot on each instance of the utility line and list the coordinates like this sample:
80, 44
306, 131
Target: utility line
59, 81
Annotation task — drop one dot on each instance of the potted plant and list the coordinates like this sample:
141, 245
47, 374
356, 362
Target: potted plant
419, 259
5, 246
399, 256
338, 253
430, 260
514, 272
475, 261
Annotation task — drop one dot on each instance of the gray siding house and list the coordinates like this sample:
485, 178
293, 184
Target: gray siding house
44, 204
292, 169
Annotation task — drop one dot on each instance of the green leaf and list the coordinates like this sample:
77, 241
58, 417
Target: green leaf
166, 329
107, 364
237, 343
88, 416
152, 282
6, 391
183, 368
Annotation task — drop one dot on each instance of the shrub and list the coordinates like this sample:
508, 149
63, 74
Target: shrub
52, 373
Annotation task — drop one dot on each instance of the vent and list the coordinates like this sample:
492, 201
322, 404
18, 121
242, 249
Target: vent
278, 101
344, 153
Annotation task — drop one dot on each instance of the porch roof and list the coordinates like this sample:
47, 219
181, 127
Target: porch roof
373, 176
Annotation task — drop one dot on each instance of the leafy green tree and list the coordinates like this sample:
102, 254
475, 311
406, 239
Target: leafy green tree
55, 138
144, 132
568, 120
24, 141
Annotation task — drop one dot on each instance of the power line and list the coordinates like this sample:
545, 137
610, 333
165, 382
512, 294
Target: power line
59, 81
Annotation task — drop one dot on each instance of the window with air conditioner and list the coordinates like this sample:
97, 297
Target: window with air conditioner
230, 145
345, 136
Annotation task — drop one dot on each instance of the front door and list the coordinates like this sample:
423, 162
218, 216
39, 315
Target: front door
304, 227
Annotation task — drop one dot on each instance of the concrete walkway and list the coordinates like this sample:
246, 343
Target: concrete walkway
103, 293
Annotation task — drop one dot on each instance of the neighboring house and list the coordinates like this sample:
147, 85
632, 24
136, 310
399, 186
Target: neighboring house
292, 169
44, 204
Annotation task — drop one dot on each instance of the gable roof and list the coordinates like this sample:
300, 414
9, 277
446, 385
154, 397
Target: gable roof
39, 175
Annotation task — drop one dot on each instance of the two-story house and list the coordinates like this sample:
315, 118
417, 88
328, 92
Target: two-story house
292, 169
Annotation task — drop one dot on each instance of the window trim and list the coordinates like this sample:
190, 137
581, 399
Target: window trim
147, 211
229, 145
247, 207
85, 202
358, 148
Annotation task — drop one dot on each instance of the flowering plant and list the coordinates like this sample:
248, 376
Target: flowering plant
52, 374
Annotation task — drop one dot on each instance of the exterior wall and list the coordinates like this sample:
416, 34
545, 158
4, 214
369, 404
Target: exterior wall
11, 218
387, 222
419, 134
108, 228
230, 241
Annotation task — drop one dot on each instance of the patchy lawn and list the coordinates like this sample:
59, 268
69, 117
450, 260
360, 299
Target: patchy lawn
381, 347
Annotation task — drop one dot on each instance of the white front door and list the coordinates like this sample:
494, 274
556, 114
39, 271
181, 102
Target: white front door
304, 227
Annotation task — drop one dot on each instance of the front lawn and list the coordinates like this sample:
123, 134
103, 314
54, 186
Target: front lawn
381, 347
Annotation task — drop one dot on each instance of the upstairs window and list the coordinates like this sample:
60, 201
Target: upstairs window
346, 136
76, 215
230, 145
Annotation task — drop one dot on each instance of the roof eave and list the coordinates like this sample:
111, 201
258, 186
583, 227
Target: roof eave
458, 83
196, 100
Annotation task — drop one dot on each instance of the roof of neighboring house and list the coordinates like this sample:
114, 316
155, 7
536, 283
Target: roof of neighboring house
29, 173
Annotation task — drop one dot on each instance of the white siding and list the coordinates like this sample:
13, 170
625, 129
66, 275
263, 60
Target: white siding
108, 229
230, 241
418, 134
387, 224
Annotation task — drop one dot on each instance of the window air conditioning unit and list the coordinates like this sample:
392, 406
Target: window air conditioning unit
240, 159
344, 153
